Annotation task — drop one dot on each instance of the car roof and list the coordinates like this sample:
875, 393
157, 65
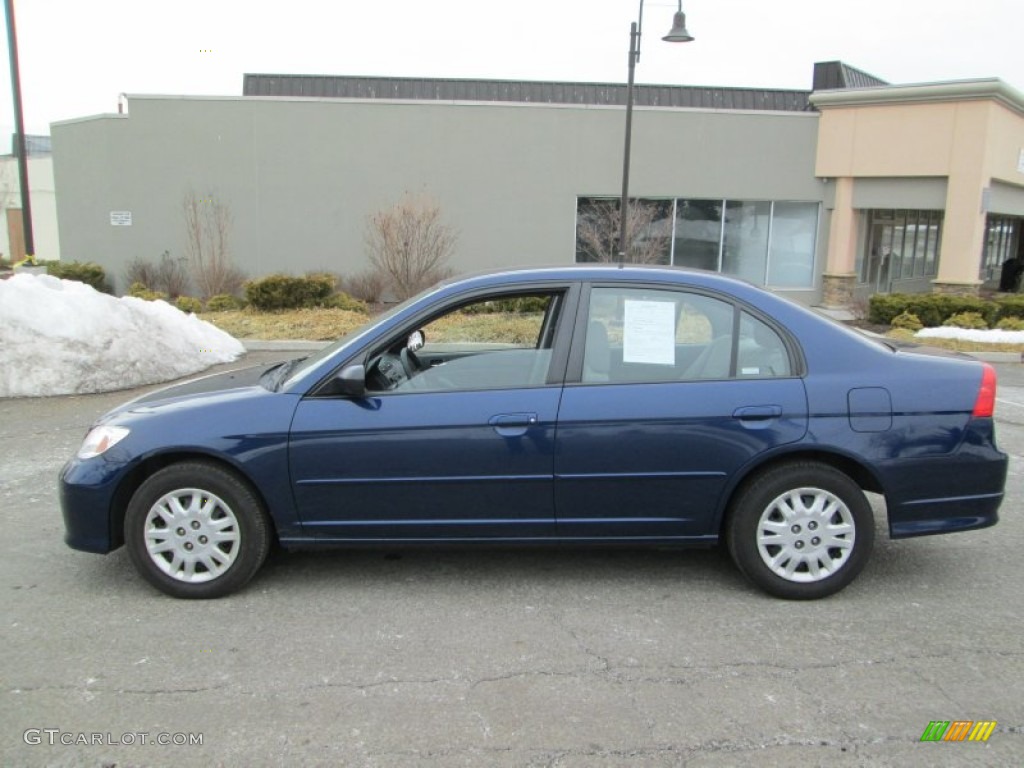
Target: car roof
605, 271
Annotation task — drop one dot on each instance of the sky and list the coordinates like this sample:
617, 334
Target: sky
77, 56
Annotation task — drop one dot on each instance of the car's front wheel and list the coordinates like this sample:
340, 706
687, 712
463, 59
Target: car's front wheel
194, 530
800, 531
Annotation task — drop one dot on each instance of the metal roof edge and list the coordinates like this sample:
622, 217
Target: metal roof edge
448, 102
86, 119
502, 81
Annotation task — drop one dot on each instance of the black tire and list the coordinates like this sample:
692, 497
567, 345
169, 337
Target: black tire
218, 540
794, 503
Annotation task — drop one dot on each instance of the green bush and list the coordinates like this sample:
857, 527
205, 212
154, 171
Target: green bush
188, 304
883, 307
932, 309
1011, 306
344, 301
521, 305
908, 321
84, 272
973, 320
224, 302
139, 291
287, 292
1011, 324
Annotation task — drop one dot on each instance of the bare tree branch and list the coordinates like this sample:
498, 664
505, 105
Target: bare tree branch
207, 234
410, 244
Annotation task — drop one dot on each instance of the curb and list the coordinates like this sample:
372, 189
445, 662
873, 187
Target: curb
997, 357
260, 345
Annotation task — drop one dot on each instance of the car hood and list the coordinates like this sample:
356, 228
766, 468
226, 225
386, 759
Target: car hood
193, 391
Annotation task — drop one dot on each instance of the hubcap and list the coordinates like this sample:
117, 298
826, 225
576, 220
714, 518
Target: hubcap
805, 535
192, 535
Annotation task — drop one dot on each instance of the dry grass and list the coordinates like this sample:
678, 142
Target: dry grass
957, 345
308, 324
330, 324
498, 327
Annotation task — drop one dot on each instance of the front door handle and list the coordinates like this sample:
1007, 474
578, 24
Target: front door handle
513, 424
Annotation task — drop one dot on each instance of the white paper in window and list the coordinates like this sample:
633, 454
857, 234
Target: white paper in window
649, 332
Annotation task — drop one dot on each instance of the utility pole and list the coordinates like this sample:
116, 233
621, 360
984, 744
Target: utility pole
19, 128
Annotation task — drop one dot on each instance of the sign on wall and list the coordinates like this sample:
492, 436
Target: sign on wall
120, 218
1020, 162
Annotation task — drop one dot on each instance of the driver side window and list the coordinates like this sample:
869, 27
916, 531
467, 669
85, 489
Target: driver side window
497, 342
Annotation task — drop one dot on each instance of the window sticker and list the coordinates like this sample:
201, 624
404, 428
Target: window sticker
649, 332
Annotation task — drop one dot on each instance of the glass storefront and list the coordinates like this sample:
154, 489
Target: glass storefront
1001, 259
901, 246
769, 243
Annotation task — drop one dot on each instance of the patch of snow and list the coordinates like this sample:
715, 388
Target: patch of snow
969, 334
60, 337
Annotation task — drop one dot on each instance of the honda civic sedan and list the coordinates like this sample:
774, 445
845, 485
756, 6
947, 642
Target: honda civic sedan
576, 406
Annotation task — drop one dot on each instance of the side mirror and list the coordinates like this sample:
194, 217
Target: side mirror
415, 341
351, 381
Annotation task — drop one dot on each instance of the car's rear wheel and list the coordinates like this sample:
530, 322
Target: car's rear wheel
194, 530
801, 531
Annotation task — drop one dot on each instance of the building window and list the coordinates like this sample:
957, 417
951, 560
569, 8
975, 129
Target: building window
697, 237
767, 242
791, 256
648, 228
745, 241
901, 245
1001, 235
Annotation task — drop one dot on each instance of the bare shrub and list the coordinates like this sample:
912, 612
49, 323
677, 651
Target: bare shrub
207, 244
172, 275
859, 308
597, 232
368, 285
168, 275
142, 271
410, 244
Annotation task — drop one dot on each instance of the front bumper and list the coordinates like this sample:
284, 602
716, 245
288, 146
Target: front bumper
87, 489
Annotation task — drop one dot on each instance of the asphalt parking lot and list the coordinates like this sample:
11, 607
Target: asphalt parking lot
541, 657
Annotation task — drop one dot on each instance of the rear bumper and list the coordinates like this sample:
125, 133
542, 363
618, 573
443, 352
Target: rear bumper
930, 516
945, 494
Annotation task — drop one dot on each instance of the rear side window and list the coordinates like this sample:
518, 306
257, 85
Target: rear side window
636, 335
761, 351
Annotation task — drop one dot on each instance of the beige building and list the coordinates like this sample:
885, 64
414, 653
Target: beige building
928, 186
44, 206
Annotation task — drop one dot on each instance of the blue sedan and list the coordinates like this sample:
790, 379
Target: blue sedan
575, 406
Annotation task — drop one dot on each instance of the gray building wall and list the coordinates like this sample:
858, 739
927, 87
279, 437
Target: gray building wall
301, 176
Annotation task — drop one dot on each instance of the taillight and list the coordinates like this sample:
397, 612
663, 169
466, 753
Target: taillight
986, 402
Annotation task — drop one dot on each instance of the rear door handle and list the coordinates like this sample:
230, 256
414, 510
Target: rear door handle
757, 413
513, 424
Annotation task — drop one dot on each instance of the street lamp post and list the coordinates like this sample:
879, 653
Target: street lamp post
677, 34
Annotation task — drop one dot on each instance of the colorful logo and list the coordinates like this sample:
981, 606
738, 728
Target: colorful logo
958, 730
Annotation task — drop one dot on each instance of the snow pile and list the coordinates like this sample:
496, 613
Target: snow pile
969, 334
60, 337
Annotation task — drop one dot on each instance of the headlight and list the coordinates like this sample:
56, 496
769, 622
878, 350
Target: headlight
100, 439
